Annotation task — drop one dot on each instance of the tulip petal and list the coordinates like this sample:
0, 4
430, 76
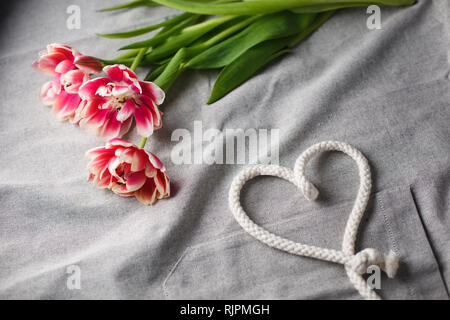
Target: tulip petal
135, 181
64, 66
126, 111
118, 142
46, 94
154, 160
113, 163
139, 160
48, 62
147, 194
144, 124
150, 171
133, 83
160, 182
95, 121
65, 105
125, 127
114, 72
88, 64
56, 84
111, 127
91, 153
127, 155
66, 50
118, 91
156, 113
88, 90
121, 190
153, 91
73, 80
90, 107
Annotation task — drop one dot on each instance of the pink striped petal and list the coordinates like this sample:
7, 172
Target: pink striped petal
136, 181
118, 91
78, 112
150, 171
130, 73
127, 155
56, 84
95, 121
156, 113
88, 90
126, 111
65, 105
91, 107
88, 64
121, 190
98, 165
46, 94
91, 153
132, 82
139, 160
125, 127
73, 80
114, 72
48, 62
64, 66
111, 127
154, 160
66, 50
160, 182
153, 113
147, 194
153, 91
118, 142
113, 163
102, 182
144, 124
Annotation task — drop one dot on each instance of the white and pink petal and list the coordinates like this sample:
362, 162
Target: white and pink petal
89, 89
153, 91
136, 180
88, 64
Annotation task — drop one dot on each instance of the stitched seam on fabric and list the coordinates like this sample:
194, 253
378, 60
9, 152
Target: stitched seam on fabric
427, 238
393, 240
171, 272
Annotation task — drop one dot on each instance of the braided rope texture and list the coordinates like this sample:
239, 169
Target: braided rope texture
355, 264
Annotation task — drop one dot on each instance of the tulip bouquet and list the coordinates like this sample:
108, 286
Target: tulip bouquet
238, 37
106, 106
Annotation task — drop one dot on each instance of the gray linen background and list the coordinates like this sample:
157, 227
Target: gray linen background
384, 91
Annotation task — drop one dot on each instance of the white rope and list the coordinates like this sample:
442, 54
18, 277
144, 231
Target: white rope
355, 264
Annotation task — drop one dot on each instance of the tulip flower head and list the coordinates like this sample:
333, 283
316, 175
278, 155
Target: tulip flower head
110, 103
128, 171
70, 69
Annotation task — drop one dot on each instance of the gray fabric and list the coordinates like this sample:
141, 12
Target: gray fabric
384, 91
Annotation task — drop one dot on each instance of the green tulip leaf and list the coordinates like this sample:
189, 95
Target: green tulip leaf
186, 37
247, 64
163, 36
134, 33
268, 27
269, 6
132, 4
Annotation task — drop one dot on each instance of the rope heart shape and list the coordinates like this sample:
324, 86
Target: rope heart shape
355, 264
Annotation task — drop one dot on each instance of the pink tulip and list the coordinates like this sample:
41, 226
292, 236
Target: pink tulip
60, 58
69, 69
113, 101
128, 171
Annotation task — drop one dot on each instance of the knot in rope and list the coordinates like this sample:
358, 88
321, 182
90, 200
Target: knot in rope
368, 257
